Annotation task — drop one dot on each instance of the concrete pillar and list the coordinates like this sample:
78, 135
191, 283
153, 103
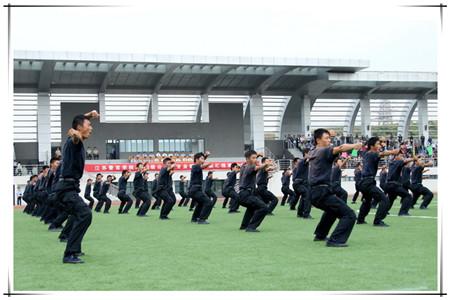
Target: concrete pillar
204, 105
257, 122
101, 106
422, 110
44, 127
366, 130
155, 111
305, 116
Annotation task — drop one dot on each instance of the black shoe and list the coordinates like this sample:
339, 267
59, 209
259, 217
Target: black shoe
142, 215
72, 259
106, 212
191, 209
317, 239
164, 218
63, 240
270, 214
234, 212
251, 230
292, 208
404, 215
353, 202
423, 207
337, 245
55, 229
412, 207
202, 222
380, 224
78, 254
242, 228
361, 222
387, 214
120, 212
308, 217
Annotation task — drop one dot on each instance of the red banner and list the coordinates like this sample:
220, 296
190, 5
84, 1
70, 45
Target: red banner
152, 167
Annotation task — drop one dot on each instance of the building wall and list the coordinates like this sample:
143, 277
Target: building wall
224, 134
26, 153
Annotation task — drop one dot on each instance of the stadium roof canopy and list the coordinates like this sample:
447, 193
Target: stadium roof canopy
76, 72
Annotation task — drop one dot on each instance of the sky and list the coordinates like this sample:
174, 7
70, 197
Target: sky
392, 38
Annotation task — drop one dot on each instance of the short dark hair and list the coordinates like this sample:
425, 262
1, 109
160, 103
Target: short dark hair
55, 158
198, 155
166, 159
98, 174
139, 163
264, 159
89, 180
181, 176
156, 174
45, 168
249, 153
109, 176
124, 172
32, 176
296, 159
233, 165
78, 121
372, 141
318, 133
210, 172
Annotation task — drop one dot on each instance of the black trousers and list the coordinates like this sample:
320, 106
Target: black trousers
268, 197
51, 211
80, 215
356, 194
368, 187
157, 202
146, 202
287, 192
103, 199
231, 194
184, 199
60, 219
168, 198
419, 190
125, 202
91, 201
137, 203
340, 192
203, 205
41, 197
303, 190
323, 198
395, 189
28, 207
212, 196
256, 209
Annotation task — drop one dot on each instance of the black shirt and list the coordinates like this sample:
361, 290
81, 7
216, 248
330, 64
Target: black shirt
145, 185
285, 180
370, 163
383, 177
406, 175
248, 177
73, 156
336, 175
230, 181
105, 188
138, 181
122, 184
395, 170
196, 175
301, 170
164, 179
358, 175
208, 184
154, 184
262, 178
97, 186
87, 190
416, 174
182, 186
320, 164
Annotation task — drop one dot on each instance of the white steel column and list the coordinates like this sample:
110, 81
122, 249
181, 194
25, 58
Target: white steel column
43, 127
257, 122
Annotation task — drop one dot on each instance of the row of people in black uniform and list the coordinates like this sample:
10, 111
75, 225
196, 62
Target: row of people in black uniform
253, 193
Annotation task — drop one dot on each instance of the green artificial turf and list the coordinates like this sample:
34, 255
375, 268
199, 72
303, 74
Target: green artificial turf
124, 252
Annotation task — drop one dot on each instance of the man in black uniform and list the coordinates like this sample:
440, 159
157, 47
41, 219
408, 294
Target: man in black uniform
103, 193
358, 178
383, 181
228, 190
208, 187
28, 195
41, 192
285, 182
256, 209
394, 186
321, 160
97, 188
68, 186
157, 203
416, 184
50, 211
139, 190
368, 185
165, 189
87, 193
336, 177
203, 204
125, 200
184, 197
301, 186
262, 181
405, 178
